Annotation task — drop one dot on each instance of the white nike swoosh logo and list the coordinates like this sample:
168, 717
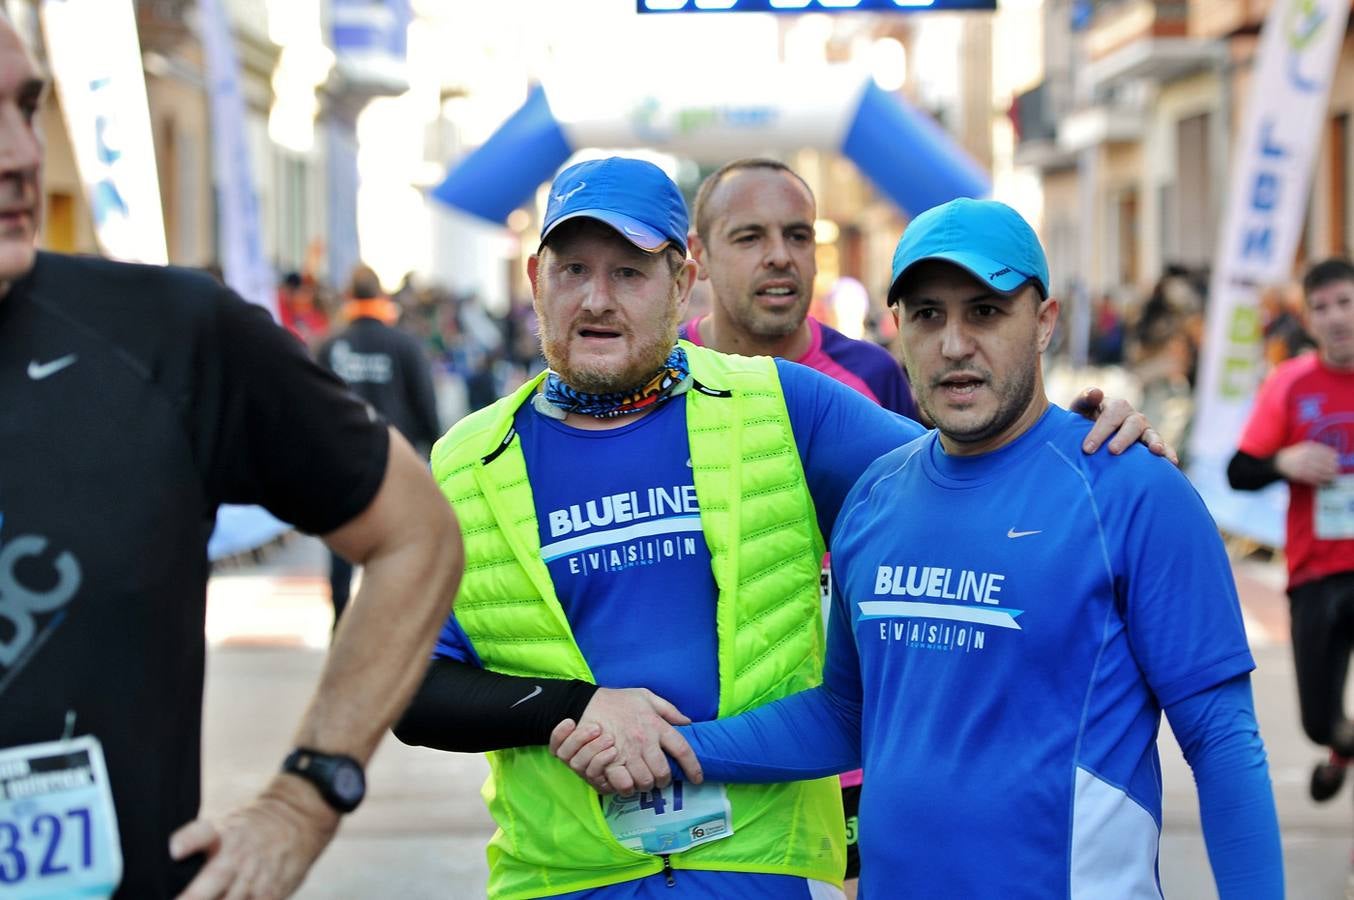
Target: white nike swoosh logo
38, 371
527, 697
562, 198
688, 463
1012, 533
629, 230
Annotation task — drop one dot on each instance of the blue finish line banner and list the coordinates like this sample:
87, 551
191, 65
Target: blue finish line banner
907, 155
807, 6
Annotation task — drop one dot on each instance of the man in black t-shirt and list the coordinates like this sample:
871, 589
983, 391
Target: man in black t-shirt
385, 367
137, 399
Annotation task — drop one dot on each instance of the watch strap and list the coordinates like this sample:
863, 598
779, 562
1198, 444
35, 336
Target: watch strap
338, 778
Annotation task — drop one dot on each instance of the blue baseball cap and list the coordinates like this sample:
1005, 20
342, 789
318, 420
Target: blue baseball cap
988, 239
632, 196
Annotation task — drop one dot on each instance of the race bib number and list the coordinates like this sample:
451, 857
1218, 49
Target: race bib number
1335, 509
58, 830
676, 818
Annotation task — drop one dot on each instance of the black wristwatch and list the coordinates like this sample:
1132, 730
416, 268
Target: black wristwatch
338, 778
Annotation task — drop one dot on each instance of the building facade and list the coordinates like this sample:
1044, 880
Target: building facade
1130, 131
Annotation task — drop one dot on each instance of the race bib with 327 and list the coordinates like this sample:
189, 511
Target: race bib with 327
58, 830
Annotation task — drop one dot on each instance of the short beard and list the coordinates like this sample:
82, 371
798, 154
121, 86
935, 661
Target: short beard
649, 359
1011, 404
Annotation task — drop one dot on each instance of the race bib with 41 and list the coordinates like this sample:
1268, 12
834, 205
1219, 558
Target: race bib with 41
1335, 509
675, 818
58, 830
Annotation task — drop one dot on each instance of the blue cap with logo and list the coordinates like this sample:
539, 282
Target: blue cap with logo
987, 238
632, 196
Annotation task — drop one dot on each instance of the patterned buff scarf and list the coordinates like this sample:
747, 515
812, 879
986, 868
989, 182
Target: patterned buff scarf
662, 386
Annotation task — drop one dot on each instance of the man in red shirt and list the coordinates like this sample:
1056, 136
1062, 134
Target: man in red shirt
1302, 431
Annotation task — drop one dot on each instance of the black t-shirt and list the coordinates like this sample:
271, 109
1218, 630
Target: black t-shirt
136, 399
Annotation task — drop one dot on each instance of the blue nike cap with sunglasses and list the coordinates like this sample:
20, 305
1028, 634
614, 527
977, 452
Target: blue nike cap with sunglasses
634, 197
988, 239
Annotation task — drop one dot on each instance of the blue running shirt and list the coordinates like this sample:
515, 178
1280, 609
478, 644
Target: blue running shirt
622, 540
1005, 632
1014, 654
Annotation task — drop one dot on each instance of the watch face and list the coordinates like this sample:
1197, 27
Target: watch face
348, 783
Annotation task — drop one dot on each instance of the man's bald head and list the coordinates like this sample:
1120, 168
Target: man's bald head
705, 207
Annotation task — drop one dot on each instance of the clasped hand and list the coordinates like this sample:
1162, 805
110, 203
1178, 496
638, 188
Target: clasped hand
619, 742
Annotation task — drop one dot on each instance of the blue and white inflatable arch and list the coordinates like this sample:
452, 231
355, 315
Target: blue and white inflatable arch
909, 157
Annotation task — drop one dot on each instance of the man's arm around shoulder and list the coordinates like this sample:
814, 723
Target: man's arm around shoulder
409, 543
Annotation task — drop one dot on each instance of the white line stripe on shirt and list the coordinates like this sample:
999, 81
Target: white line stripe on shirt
909, 609
594, 539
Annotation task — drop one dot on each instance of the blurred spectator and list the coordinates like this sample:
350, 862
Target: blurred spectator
1107, 333
298, 307
1164, 353
482, 344
523, 343
1174, 301
1281, 324
387, 368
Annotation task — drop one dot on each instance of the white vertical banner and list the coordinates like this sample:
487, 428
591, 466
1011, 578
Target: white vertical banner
242, 259
95, 59
238, 528
1266, 205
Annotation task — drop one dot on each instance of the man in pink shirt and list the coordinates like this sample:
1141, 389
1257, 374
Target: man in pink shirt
754, 245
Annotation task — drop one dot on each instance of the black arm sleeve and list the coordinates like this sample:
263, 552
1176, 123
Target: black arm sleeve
1250, 473
465, 709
